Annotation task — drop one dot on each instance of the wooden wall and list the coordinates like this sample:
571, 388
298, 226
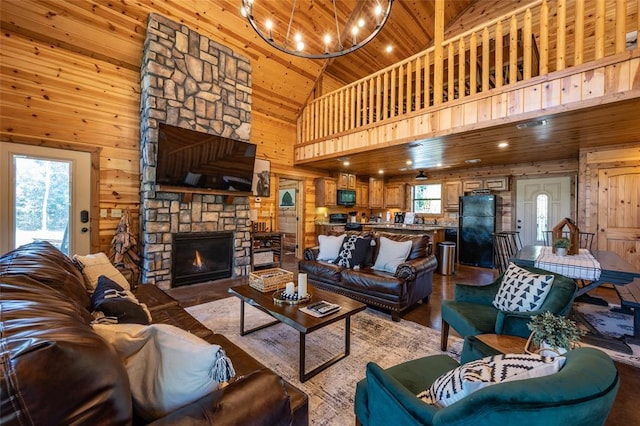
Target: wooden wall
63, 99
53, 96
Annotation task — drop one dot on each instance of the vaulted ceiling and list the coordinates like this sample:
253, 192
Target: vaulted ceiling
114, 31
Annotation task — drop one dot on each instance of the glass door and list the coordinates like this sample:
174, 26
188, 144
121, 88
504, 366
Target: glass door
46, 197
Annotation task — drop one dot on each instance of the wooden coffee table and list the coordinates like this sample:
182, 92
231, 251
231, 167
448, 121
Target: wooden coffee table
304, 323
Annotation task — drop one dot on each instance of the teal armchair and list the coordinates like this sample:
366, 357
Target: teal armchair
471, 313
388, 397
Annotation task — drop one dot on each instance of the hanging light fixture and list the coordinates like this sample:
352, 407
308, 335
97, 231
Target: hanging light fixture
314, 31
421, 176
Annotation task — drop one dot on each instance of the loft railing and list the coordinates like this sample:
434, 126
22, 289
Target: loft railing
537, 39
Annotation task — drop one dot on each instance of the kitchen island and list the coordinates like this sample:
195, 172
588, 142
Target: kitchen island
436, 232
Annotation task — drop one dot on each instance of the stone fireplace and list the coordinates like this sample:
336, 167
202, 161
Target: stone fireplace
188, 80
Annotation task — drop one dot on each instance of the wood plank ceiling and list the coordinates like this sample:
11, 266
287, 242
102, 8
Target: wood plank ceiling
114, 31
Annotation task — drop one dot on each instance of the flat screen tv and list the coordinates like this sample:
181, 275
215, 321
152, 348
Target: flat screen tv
194, 159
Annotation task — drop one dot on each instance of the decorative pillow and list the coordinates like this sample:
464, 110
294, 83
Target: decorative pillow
329, 246
472, 376
353, 251
167, 366
94, 265
521, 290
391, 254
113, 304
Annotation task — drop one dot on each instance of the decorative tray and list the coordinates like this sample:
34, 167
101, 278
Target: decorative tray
281, 298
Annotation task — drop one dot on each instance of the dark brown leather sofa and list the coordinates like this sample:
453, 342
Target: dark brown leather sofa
412, 281
55, 370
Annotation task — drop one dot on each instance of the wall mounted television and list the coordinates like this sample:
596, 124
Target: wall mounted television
187, 158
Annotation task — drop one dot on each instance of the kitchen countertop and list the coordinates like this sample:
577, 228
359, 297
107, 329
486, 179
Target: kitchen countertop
397, 226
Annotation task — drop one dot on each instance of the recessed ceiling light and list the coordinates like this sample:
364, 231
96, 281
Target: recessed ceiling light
346, 163
409, 162
439, 165
380, 171
473, 161
503, 144
389, 49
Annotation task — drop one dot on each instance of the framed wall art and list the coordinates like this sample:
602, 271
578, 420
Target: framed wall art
261, 185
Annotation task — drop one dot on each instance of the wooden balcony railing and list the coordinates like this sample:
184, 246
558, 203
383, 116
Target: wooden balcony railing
537, 39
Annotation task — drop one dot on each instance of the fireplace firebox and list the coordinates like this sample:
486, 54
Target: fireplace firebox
199, 257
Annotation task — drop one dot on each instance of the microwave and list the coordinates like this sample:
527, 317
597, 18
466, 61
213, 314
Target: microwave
346, 197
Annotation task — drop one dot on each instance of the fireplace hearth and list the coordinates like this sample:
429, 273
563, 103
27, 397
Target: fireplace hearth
203, 256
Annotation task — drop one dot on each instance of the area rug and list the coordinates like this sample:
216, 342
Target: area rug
606, 328
374, 337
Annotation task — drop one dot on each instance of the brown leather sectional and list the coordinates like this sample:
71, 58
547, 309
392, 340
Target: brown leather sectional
55, 370
412, 282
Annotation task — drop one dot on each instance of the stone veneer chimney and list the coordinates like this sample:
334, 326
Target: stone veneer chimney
192, 82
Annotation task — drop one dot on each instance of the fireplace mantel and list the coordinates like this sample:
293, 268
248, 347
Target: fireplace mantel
187, 193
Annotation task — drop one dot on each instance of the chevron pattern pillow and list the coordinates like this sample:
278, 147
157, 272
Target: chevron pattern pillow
521, 290
462, 381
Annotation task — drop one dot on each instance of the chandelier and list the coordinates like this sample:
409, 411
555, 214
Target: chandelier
317, 29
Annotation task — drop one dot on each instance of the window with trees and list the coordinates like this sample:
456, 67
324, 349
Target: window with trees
427, 198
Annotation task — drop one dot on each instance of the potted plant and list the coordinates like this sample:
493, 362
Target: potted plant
561, 245
552, 334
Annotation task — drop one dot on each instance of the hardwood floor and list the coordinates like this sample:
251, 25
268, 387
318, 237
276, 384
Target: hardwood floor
625, 410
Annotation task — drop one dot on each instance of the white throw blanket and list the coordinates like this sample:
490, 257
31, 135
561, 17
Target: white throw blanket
581, 266
167, 366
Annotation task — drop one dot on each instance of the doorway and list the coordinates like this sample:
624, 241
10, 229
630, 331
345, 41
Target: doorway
540, 204
46, 195
618, 212
290, 211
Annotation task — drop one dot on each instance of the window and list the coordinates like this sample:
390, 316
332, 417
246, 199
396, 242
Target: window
542, 216
427, 198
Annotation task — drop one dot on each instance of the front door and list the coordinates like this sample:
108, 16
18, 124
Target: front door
540, 204
619, 212
45, 195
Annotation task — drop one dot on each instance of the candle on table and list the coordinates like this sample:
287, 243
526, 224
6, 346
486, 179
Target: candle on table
302, 285
290, 288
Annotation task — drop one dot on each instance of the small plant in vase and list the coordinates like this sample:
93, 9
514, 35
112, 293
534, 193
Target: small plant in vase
562, 245
553, 334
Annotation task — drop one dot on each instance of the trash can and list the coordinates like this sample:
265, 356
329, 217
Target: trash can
446, 257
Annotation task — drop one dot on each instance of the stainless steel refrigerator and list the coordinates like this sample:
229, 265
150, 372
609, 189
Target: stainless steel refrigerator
477, 223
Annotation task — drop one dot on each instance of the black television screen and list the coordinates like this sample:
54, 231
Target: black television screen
196, 159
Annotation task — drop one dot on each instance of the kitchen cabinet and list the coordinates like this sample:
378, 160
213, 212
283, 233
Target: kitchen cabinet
452, 192
326, 192
362, 194
493, 184
266, 250
376, 193
497, 184
346, 181
394, 195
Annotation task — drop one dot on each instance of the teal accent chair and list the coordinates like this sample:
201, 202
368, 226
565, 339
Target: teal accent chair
471, 313
581, 393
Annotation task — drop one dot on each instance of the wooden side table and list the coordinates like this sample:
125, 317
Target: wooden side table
504, 343
483, 345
